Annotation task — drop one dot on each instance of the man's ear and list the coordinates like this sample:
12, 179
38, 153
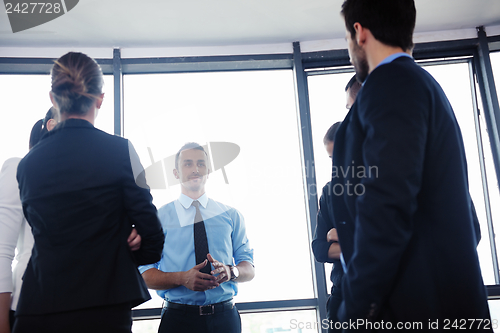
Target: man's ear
176, 173
361, 34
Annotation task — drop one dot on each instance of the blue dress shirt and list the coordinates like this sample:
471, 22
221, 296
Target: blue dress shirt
226, 235
390, 59
393, 57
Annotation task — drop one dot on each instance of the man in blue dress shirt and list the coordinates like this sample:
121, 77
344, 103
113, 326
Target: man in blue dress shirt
198, 293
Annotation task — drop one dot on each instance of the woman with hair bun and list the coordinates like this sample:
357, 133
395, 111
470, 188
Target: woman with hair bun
82, 191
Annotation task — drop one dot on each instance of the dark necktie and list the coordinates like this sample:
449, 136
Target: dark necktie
200, 239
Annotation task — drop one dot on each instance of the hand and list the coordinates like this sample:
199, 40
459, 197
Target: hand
198, 281
4, 312
221, 271
332, 235
134, 240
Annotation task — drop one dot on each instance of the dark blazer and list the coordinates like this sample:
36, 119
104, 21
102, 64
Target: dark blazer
402, 206
80, 197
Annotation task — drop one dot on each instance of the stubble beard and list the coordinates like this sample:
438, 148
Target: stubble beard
360, 63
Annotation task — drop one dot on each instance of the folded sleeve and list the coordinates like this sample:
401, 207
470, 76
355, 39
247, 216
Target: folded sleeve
144, 268
242, 251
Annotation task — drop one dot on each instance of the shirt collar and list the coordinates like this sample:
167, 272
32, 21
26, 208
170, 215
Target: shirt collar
393, 57
187, 201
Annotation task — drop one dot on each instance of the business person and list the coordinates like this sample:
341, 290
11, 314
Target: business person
81, 199
404, 216
206, 254
325, 244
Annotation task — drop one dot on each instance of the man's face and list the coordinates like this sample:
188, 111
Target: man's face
349, 101
358, 57
192, 170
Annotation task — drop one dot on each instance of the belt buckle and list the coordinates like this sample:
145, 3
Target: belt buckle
211, 309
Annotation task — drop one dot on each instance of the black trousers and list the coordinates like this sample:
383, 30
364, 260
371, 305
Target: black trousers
179, 321
332, 307
105, 319
12, 319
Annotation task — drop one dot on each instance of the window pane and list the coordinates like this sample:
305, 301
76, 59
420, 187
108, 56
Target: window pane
490, 167
25, 100
327, 101
255, 111
454, 79
145, 326
493, 193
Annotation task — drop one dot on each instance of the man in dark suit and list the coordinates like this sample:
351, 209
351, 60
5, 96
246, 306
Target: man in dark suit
402, 207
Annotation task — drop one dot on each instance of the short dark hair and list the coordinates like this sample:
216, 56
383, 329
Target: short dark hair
189, 145
40, 128
330, 134
390, 21
351, 82
354, 85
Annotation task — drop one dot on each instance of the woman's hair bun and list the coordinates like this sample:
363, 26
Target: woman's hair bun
76, 82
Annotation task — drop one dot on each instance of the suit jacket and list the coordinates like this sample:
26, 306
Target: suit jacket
81, 199
402, 206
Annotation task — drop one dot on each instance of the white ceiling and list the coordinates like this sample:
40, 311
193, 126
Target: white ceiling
190, 23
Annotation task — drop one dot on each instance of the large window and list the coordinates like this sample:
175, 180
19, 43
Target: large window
254, 111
